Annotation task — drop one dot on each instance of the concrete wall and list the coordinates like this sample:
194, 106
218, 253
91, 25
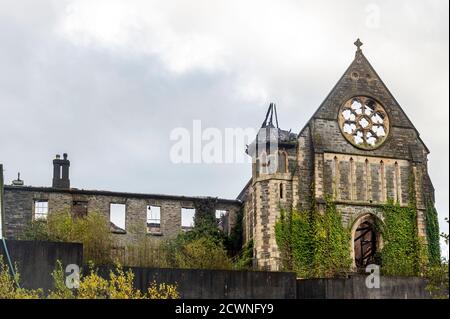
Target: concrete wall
355, 288
219, 284
36, 260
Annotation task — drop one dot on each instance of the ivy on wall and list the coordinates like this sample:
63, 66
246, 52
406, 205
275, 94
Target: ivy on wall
404, 253
332, 254
432, 229
314, 244
317, 245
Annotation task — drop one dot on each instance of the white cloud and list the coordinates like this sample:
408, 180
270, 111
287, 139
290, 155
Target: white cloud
142, 28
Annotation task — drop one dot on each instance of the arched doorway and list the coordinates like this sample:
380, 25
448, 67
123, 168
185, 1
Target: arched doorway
366, 241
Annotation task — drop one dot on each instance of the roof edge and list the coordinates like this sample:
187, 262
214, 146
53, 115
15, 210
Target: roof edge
76, 191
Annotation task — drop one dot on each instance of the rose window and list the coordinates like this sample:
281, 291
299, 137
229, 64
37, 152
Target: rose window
364, 122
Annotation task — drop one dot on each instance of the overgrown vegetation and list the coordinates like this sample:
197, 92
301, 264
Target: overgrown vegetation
119, 285
244, 260
437, 275
438, 279
201, 247
9, 285
92, 231
403, 254
314, 244
205, 246
432, 229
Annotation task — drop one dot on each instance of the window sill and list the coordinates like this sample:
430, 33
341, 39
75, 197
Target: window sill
156, 234
118, 232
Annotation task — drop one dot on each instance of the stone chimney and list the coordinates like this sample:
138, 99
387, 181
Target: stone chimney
18, 181
61, 172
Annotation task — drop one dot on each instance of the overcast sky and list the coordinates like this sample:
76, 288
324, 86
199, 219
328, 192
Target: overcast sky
107, 81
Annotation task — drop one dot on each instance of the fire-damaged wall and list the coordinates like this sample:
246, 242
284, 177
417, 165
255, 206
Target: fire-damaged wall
22, 204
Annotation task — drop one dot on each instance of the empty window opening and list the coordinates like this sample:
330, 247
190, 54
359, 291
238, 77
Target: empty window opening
153, 219
187, 218
281, 191
365, 244
220, 216
40, 209
220, 213
117, 214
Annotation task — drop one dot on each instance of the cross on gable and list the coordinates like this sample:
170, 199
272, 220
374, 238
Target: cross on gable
358, 44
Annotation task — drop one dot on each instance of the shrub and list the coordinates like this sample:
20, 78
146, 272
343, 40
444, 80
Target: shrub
92, 231
9, 285
146, 252
60, 290
119, 285
438, 279
202, 253
162, 291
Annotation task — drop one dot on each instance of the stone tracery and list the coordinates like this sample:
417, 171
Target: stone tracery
364, 122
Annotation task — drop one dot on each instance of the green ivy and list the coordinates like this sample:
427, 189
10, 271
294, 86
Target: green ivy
403, 253
314, 244
244, 260
432, 229
293, 234
331, 243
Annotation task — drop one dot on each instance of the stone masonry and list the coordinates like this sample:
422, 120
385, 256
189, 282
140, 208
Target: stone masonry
324, 163
19, 209
359, 148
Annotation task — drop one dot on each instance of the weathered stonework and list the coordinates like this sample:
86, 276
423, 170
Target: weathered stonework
325, 164
323, 161
19, 209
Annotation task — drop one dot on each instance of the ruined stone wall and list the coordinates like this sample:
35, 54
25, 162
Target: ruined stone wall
270, 193
19, 209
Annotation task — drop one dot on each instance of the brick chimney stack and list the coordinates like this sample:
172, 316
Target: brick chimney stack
61, 172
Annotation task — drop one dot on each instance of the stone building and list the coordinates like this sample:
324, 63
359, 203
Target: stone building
359, 148
130, 214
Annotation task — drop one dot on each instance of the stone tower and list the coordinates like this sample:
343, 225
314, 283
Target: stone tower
271, 190
359, 148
